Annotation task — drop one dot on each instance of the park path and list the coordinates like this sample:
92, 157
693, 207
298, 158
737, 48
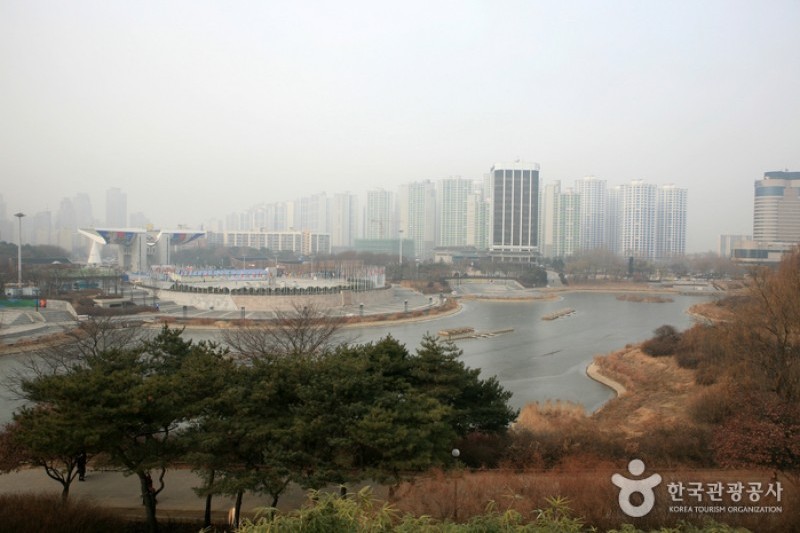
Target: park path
177, 501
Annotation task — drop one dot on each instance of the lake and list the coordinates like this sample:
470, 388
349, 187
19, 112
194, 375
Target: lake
540, 359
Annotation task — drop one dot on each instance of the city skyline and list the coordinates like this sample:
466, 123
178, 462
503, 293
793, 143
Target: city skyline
508, 212
195, 109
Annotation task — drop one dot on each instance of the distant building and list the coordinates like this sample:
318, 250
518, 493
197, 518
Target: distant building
416, 209
776, 214
548, 218
477, 218
671, 221
728, 243
614, 219
593, 212
300, 242
452, 196
514, 214
380, 220
312, 214
638, 220
392, 247
343, 220
567, 234
116, 208
776, 219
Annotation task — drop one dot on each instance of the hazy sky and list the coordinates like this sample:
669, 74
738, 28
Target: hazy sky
198, 108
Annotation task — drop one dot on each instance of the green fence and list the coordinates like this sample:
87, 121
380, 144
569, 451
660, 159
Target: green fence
25, 302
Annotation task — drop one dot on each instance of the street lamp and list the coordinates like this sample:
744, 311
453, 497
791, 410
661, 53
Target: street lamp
455, 453
19, 251
400, 254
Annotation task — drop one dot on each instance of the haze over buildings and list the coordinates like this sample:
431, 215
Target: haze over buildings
507, 214
198, 111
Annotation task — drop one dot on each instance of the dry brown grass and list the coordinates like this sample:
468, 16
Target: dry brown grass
590, 492
659, 392
549, 416
712, 311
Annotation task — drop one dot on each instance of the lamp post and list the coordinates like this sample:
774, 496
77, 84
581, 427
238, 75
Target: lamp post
19, 251
400, 254
455, 453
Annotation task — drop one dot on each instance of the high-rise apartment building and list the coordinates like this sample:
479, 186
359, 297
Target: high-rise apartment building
776, 214
593, 212
514, 215
671, 221
452, 196
343, 223
548, 217
116, 208
477, 218
279, 216
614, 219
313, 213
416, 208
380, 220
567, 234
637, 230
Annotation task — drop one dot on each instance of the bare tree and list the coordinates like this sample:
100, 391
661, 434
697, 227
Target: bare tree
305, 330
82, 340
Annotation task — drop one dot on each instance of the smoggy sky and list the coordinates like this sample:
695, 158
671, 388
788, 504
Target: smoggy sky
197, 109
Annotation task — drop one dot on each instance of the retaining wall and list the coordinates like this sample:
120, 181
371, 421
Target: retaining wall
228, 302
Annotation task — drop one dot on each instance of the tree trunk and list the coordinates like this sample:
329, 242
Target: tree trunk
209, 496
237, 514
149, 501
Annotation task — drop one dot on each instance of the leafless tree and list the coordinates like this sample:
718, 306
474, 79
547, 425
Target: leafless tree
79, 341
304, 330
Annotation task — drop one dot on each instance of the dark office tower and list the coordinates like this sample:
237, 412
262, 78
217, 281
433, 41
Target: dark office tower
116, 208
514, 216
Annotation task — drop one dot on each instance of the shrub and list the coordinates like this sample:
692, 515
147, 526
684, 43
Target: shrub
713, 405
676, 445
688, 359
665, 342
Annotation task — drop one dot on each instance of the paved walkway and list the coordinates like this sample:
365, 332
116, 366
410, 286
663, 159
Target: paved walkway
177, 500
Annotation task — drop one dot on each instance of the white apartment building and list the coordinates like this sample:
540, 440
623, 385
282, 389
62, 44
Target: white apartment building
416, 204
380, 219
567, 234
477, 218
343, 221
671, 221
593, 212
548, 218
302, 242
637, 229
614, 218
452, 198
312, 214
